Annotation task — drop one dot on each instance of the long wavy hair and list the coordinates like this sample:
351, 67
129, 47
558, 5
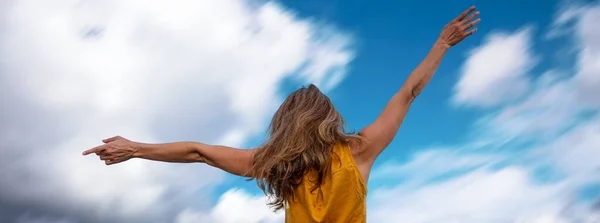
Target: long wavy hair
302, 134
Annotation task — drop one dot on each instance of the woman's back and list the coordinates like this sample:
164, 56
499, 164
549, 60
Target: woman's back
340, 198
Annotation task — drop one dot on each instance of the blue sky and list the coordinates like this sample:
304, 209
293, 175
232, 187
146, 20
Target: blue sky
507, 130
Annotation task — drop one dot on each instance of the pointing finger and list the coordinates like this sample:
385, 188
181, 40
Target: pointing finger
96, 149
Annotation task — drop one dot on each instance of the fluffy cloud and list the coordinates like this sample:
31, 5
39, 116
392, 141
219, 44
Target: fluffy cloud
496, 72
481, 196
588, 36
73, 72
575, 153
489, 193
431, 164
553, 106
248, 209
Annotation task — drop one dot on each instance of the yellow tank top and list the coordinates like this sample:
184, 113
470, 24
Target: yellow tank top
341, 198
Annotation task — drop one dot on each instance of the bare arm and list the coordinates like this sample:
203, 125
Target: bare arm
232, 160
119, 149
379, 134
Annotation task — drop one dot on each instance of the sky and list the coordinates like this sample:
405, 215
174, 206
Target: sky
507, 131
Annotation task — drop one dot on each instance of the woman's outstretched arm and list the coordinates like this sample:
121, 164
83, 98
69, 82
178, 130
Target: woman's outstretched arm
380, 133
118, 149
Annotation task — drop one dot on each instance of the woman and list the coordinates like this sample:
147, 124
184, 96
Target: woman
309, 166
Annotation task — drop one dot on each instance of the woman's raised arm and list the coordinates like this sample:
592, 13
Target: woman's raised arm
379, 134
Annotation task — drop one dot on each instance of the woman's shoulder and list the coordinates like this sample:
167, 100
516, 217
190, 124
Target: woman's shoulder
355, 157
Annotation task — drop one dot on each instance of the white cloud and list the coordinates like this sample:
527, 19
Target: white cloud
576, 153
483, 192
485, 195
489, 193
73, 72
580, 21
234, 206
432, 163
561, 25
588, 65
552, 107
495, 72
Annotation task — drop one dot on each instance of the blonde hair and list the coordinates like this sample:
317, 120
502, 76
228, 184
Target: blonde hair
302, 134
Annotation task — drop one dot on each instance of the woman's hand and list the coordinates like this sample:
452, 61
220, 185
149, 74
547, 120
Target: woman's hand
459, 28
115, 150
